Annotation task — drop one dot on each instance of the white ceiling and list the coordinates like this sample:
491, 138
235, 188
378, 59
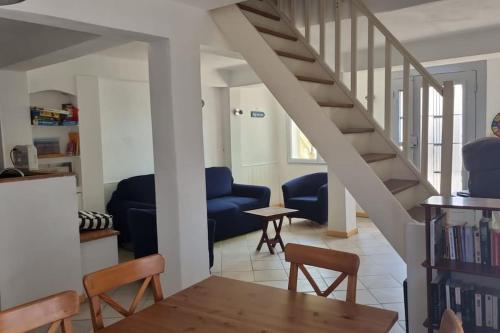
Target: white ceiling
207, 4
441, 18
139, 51
20, 41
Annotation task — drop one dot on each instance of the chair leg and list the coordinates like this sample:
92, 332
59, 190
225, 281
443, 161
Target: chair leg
289, 220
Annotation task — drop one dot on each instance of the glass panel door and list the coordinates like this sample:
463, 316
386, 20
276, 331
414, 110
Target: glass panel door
463, 127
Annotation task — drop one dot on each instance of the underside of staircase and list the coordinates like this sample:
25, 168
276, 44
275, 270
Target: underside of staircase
355, 147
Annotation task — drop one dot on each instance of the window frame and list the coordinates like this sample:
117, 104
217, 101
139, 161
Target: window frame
291, 160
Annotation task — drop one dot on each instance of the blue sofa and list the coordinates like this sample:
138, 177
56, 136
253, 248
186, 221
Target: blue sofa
144, 233
227, 201
309, 195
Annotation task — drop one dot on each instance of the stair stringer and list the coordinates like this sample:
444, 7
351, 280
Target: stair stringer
343, 159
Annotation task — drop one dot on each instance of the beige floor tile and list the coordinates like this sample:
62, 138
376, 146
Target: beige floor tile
388, 295
270, 275
379, 281
261, 265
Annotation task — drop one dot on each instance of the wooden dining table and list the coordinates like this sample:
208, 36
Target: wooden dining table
224, 305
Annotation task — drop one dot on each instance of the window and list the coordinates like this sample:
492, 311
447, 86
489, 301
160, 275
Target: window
300, 149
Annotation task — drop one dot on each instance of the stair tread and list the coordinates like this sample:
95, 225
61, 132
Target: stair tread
276, 33
315, 79
417, 213
259, 12
357, 130
375, 157
295, 56
399, 185
336, 105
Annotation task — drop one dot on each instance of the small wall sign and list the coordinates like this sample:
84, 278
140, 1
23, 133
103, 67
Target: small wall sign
257, 114
495, 125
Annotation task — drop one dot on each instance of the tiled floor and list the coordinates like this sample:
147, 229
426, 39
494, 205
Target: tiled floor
380, 279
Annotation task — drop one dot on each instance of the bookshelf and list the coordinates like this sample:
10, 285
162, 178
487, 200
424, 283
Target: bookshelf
435, 210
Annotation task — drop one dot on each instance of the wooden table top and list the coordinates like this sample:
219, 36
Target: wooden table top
462, 202
271, 212
224, 305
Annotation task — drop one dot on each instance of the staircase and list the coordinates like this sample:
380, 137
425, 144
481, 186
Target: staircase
276, 39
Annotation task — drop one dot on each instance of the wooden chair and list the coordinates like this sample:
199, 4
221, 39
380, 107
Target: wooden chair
55, 311
345, 263
99, 283
450, 323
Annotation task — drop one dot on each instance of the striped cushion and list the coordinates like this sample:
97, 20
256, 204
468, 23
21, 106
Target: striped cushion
94, 221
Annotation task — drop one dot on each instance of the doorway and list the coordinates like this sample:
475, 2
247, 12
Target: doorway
468, 116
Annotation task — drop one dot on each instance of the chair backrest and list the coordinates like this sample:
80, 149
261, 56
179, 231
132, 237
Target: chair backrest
345, 263
55, 311
450, 323
99, 283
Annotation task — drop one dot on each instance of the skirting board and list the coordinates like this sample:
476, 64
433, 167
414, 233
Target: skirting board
362, 214
342, 234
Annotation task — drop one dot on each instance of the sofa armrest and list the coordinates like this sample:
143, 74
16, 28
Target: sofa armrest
323, 194
253, 191
115, 206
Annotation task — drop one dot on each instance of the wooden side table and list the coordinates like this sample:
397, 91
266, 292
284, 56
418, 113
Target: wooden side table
271, 214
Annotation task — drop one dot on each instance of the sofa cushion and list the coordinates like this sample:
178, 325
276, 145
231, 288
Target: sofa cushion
243, 203
219, 182
302, 203
221, 206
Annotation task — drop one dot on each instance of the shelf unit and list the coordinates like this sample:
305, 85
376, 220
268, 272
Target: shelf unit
54, 99
437, 204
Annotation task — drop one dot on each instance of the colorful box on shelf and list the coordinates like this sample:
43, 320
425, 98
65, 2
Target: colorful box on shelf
41, 116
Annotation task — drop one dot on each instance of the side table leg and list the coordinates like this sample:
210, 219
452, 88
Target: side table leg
265, 238
277, 238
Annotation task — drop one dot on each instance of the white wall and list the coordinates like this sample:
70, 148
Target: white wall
127, 142
259, 145
214, 115
14, 112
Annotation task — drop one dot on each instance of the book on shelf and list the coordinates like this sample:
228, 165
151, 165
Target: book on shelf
466, 243
474, 305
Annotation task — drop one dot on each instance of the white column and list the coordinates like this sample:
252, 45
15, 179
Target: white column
341, 209
179, 167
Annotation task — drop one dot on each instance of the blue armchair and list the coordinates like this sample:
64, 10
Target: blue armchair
482, 160
309, 195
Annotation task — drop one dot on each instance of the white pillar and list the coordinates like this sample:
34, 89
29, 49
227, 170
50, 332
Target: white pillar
174, 67
341, 209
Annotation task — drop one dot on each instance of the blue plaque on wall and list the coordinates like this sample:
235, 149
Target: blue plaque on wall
257, 114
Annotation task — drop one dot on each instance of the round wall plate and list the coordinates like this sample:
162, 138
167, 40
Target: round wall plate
495, 125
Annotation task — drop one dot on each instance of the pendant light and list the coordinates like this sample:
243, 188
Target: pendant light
9, 2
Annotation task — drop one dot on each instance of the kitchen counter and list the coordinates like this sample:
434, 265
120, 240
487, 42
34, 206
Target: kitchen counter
39, 237
35, 175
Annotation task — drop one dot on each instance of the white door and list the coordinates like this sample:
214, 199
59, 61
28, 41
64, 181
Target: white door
464, 126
